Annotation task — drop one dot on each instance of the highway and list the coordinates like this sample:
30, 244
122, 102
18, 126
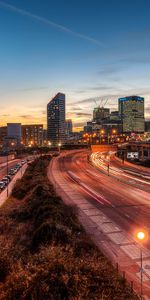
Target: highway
3, 167
134, 175
125, 204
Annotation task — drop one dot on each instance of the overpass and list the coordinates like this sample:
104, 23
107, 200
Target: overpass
103, 148
143, 148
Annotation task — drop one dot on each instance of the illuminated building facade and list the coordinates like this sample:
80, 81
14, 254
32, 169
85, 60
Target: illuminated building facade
32, 135
68, 127
100, 113
131, 110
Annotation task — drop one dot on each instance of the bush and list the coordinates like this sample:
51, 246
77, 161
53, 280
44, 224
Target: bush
83, 248
20, 215
4, 267
43, 235
20, 189
69, 218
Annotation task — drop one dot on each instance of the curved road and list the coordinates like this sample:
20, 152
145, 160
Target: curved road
127, 205
110, 210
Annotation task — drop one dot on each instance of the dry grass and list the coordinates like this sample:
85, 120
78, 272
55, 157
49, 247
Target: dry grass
45, 253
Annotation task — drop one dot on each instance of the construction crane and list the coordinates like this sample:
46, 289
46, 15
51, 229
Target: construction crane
101, 102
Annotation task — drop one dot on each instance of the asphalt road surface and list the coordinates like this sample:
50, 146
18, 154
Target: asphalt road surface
123, 203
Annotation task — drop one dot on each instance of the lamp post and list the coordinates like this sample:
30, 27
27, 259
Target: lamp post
113, 132
7, 173
102, 131
141, 237
108, 163
59, 145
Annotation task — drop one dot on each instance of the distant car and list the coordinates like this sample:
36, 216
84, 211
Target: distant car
11, 172
5, 180
2, 185
18, 166
9, 177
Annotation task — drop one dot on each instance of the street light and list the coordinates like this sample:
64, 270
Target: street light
108, 163
114, 131
102, 131
141, 237
7, 173
59, 145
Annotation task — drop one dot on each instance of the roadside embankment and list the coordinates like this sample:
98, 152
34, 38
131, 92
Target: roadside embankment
45, 253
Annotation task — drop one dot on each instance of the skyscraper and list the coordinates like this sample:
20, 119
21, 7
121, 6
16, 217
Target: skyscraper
68, 127
56, 119
100, 113
131, 110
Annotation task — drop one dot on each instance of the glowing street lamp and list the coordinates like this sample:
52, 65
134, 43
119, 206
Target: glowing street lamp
49, 143
114, 131
141, 236
59, 145
102, 131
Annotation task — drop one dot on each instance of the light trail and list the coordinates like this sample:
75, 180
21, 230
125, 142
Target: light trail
100, 161
89, 191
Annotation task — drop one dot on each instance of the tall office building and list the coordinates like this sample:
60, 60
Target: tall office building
131, 110
56, 119
100, 113
68, 127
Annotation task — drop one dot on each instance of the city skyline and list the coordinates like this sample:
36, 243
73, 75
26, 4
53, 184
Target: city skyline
60, 47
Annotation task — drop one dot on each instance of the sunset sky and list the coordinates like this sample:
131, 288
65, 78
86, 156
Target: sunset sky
86, 49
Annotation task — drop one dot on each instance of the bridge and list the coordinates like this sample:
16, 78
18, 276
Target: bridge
103, 148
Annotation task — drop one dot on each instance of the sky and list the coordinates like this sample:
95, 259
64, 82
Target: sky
92, 51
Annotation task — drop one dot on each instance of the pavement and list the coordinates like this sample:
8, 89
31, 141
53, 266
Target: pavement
110, 212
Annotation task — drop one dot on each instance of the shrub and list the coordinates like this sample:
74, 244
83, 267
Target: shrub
43, 235
21, 214
69, 218
83, 248
4, 267
20, 189
61, 235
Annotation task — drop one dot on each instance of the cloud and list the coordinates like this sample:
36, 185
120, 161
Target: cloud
108, 70
50, 23
101, 87
79, 124
93, 99
74, 108
83, 114
80, 92
137, 60
30, 89
44, 112
147, 109
26, 116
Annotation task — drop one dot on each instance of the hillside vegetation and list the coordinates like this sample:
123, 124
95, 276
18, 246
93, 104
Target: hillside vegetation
45, 253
